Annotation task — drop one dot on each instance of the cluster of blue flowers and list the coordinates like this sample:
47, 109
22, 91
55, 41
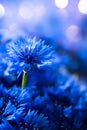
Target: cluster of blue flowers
34, 93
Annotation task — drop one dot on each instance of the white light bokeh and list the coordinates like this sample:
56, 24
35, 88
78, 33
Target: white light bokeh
82, 6
30, 10
2, 10
26, 10
73, 32
61, 3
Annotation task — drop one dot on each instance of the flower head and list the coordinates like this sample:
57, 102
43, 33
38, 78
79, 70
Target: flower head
27, 53
32, 121
12, 103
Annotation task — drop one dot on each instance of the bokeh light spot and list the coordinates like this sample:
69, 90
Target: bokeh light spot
72, 33
2, 10
61, 3
26, 10
82, 6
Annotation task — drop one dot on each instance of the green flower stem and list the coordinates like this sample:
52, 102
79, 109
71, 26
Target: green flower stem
24, 78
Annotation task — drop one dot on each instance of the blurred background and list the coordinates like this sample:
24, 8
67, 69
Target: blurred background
62, 23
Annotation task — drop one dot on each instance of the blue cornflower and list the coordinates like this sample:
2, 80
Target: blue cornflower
19, 97
32, 121
27, 53
5, 110
65, 106
13, 102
